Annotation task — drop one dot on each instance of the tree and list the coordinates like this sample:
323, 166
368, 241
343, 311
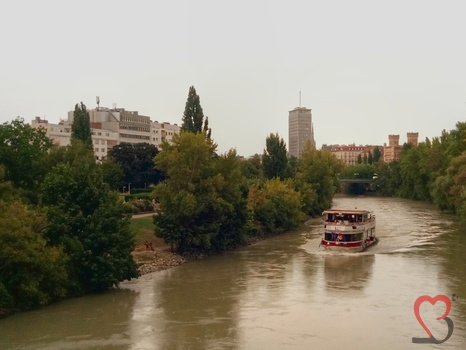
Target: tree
388, 179
193, 116
449, 190
276, 206
370, 158
358, 171
113, 174
376, 154
32, 273
274, 160
206, 128
86, 219
81, 127
137, 163
415, 179
23, 150
320, 169
202, 203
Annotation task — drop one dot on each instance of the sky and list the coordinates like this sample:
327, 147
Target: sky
366, 68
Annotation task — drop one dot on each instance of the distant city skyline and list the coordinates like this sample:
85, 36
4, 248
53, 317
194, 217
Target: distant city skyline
366, 69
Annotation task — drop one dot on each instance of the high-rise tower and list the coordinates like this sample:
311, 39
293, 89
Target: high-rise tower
300, 130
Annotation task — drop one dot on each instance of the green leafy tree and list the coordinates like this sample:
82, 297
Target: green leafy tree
388, 179
276, 206
206, 128
233, 191
112, 174
252, 168
307, 192
377, 154
320, 168
32, 273
449, 189
81, 127
22, 153
193, 116
359, 159
274, 160
137, 163
370, 158
249, 171
358, 171
202, 206
86, 219
415, 177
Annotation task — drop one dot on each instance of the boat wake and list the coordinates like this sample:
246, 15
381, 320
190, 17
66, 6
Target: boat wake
402, 228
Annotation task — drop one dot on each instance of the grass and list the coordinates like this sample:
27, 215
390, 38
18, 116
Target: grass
143, 229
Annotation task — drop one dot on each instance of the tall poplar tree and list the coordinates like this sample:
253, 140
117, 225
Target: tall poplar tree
81, 127
377, 154
193, 116
274, 158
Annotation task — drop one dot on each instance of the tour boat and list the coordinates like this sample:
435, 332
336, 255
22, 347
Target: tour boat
348, 230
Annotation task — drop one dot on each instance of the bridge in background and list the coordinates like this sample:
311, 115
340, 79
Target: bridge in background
356, 181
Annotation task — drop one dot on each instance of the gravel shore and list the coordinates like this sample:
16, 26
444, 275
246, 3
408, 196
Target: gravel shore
161, 258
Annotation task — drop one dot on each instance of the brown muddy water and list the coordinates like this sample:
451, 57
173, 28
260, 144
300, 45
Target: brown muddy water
282, 293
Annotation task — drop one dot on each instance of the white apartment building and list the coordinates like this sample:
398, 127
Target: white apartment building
111, 127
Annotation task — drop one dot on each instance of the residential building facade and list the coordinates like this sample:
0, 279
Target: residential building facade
110, 127
392, 152
350, 154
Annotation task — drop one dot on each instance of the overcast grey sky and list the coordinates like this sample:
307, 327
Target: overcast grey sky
366, 68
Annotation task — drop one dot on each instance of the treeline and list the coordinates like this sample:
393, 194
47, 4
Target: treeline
62, 228
210, 202
433, 171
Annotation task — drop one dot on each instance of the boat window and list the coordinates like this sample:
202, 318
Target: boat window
332, 236
356, 237
329, 236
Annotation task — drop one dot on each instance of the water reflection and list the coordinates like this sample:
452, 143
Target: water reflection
72, 324
453, 271
199, 304
344, 271
282, 293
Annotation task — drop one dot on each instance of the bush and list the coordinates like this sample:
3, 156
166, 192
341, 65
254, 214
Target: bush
139, 206
276, 206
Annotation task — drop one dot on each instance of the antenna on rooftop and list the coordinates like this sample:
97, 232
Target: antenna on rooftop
299, 99
97, 99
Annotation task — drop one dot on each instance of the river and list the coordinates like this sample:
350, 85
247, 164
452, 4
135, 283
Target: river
281, 293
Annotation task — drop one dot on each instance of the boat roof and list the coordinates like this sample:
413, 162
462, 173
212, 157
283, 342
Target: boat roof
346, 211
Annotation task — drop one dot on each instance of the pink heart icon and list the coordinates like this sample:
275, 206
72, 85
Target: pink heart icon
433, 301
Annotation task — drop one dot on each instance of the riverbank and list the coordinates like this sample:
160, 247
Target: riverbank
158, 257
